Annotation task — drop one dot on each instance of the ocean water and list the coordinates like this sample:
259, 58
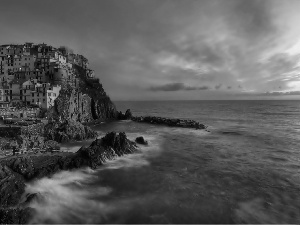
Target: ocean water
245, 170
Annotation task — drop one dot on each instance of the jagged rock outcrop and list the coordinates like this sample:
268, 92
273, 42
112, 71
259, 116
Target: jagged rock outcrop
141, 140
15, 171
67, 131
106, 148
126, 116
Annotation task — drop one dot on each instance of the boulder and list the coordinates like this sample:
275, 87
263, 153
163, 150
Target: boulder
141, 140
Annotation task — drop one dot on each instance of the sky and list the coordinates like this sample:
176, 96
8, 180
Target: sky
171, 49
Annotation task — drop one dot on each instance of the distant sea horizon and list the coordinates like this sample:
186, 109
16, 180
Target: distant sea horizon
207, 100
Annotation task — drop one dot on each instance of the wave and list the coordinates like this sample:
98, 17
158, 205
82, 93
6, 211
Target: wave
64, 195
71, 197
231, 132
141, 157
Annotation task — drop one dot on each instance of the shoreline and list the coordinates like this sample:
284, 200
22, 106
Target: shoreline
18, 170
27, 167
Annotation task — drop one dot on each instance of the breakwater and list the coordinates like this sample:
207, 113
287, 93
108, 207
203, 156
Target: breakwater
169, 122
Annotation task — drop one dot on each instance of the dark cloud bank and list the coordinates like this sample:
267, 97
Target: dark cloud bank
177, 87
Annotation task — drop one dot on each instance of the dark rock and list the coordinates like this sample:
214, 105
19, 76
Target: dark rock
67, 131
16, 215
126, 116
11, 186
169, 122
106, 148
141, 140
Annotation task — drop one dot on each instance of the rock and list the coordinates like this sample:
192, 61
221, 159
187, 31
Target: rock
84, 104
12, 187
169, 122
141, 140
126, 116
67, 131
109, 147
16, 215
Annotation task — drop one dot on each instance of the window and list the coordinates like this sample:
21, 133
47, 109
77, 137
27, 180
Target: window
44, 100
32, 100
32, 95
49, 94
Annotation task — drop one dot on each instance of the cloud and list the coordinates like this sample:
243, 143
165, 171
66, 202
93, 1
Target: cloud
217, 87
207, 44
278, 93
176, 87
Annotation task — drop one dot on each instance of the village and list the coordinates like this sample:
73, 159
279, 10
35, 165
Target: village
31, 78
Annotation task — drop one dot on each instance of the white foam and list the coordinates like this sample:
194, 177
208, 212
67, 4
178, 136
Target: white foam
66, 194
139, 158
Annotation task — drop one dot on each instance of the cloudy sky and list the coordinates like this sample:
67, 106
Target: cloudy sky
171, 49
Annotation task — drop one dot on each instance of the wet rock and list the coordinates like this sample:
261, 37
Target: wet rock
109, 147
169, 122
141, 140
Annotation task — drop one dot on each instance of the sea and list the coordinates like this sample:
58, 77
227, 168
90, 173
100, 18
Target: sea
246, 169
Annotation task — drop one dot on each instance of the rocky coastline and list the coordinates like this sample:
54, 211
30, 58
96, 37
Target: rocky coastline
16, 171
169, 122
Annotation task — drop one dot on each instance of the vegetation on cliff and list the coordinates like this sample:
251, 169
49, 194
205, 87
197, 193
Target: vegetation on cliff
66, 131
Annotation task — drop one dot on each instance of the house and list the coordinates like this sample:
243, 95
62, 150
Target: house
32, 74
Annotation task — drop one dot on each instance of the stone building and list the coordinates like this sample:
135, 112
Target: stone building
33, 74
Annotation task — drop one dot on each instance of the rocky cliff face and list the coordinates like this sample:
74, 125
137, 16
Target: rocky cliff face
68, 130
85, 103
15, 171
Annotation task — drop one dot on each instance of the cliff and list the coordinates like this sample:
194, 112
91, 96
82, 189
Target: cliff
85, 103
15, 171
